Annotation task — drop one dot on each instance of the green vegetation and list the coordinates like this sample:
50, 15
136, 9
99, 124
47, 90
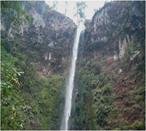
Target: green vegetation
13, 13
54, 5
130, 50
106, 99
103, 99
12, 113
44, 96
29, 101
80, 7
95, 98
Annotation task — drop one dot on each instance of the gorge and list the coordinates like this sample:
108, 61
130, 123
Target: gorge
53, 78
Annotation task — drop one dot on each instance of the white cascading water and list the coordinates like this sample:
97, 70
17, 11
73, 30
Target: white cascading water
70, 83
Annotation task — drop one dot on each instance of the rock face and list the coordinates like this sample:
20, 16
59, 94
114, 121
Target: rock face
48, 36
113, 27
113, 53
42, 48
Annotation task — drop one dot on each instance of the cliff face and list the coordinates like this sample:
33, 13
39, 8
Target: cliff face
47, 37
111, 69
121, 24
42, 49
113, 28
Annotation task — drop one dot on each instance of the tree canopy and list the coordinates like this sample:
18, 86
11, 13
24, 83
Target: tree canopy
80, 11
55, 4
13, 12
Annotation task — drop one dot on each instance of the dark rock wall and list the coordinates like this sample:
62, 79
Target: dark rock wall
113, 27
49, 35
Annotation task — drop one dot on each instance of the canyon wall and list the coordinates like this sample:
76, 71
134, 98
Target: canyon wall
109, 87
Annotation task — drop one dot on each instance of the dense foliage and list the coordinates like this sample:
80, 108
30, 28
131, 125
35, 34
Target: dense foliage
80, 11
94, 101
105, 97
12, 112
28, 101
14, 14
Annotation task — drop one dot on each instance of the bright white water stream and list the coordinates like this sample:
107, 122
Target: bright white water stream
70, 83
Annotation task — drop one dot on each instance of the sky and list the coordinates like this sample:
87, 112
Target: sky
89, 11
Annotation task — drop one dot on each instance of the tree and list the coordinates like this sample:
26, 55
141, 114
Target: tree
80, 10
55, 4
12, 114
12, 13
66, 4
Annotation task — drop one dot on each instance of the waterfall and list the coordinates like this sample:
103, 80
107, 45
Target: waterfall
70, 83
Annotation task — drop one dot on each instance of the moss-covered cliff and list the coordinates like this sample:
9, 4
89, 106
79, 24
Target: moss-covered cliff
110, 77
41, 49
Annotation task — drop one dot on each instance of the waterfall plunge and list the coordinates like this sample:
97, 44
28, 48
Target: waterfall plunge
70, 83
